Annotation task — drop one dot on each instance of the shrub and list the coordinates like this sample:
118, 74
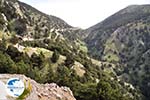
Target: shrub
55, 56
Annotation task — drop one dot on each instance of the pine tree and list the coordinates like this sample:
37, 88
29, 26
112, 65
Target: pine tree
55, 56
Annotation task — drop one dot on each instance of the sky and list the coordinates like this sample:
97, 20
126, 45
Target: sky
82, 13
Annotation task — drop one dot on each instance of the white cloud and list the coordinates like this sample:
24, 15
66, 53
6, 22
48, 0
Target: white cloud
82, 13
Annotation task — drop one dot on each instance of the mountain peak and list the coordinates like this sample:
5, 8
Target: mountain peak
136, 8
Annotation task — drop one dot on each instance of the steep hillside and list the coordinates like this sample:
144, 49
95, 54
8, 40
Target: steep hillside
29, 22
97, 35
124, 38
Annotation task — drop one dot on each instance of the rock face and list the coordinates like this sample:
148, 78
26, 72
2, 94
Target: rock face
38, 91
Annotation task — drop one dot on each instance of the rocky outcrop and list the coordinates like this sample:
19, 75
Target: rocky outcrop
37, 91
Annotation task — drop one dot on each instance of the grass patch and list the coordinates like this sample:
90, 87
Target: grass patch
110, 57
24, 94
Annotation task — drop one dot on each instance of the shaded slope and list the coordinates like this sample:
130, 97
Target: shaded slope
99, 33
124, 38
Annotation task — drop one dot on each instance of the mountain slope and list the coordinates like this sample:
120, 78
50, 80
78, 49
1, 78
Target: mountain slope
124, 38
31, 21
99, 33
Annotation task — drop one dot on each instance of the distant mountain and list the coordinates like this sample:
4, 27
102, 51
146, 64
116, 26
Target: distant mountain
97, 35
124, 38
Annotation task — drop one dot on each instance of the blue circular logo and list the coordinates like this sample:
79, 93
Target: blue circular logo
15, 87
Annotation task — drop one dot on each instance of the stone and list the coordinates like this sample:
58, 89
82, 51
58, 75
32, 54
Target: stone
37, 91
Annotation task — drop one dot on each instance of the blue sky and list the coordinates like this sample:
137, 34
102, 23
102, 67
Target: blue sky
82, 13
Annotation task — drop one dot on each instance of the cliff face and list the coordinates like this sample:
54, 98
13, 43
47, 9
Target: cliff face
35, 90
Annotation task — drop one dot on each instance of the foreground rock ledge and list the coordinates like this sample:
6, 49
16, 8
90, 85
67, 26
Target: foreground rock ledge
38, 91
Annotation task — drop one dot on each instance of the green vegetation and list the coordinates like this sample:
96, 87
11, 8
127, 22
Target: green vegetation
46, 49
39, 67
123, 39
69, 60
55, 56
23, 95
7, 65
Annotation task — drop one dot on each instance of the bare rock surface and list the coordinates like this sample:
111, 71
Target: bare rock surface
37, 91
